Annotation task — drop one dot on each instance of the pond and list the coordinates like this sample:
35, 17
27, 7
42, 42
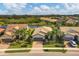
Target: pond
33, 26
3, 27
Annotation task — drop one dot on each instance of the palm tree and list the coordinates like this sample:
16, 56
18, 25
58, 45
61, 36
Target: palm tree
55, 35
24, 34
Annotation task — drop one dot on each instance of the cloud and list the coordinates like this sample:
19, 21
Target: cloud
72, 8
15, 8
42, 9
14, 5
37, 9
3, 12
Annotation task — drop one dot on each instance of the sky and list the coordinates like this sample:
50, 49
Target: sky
39, 8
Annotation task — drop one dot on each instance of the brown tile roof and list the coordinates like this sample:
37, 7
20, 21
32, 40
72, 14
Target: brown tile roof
42, 30
10, 27
1, 29
68, 29
49, 19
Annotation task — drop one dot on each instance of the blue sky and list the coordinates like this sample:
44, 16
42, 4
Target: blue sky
38, 8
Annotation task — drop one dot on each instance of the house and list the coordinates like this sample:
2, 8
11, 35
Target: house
39, 33
48, 19
10, 28
1, 30
70, 32
72, 21
8, 35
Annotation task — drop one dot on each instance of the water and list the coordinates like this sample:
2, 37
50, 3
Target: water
32, 26
3, 27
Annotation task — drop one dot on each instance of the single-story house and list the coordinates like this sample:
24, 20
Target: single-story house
70, 32
10, 28
8, 35
39, 33
48, 19
72, 21
2, 31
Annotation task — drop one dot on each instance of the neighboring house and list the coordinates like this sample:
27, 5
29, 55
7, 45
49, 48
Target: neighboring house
8, 35
72, 21
48, 19
68, 37
70, 32
1, 30
10, 28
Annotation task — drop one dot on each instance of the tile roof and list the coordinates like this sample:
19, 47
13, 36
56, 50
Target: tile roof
1, 29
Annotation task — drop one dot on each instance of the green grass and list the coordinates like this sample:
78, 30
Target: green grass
54, 45
55, 50
15, 51
50, 44
20, 44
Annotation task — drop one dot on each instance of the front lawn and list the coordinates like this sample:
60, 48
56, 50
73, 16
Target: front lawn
50, 44
20, 44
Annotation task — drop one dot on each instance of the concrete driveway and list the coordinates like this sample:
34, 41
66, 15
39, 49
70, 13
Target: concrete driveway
37, 47
3, 46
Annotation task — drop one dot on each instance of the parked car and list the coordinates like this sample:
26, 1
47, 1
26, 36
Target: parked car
72, 43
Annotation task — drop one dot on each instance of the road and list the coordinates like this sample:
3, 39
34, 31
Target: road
40, 52
43, 54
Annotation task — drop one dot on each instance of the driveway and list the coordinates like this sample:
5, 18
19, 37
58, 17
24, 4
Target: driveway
37, 47
3, 46
66, 44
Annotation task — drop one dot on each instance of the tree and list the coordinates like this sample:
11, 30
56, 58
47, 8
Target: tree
23, 38
24, 34
55, 35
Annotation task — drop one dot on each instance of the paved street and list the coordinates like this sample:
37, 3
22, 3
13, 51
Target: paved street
43, 54
39, 52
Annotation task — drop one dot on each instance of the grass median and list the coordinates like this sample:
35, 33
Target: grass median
17, 50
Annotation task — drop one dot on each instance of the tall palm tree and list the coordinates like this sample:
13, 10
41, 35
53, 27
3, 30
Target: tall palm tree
55, 35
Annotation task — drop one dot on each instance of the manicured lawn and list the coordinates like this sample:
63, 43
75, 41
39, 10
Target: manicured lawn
20, 44
54, 45
50, 44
